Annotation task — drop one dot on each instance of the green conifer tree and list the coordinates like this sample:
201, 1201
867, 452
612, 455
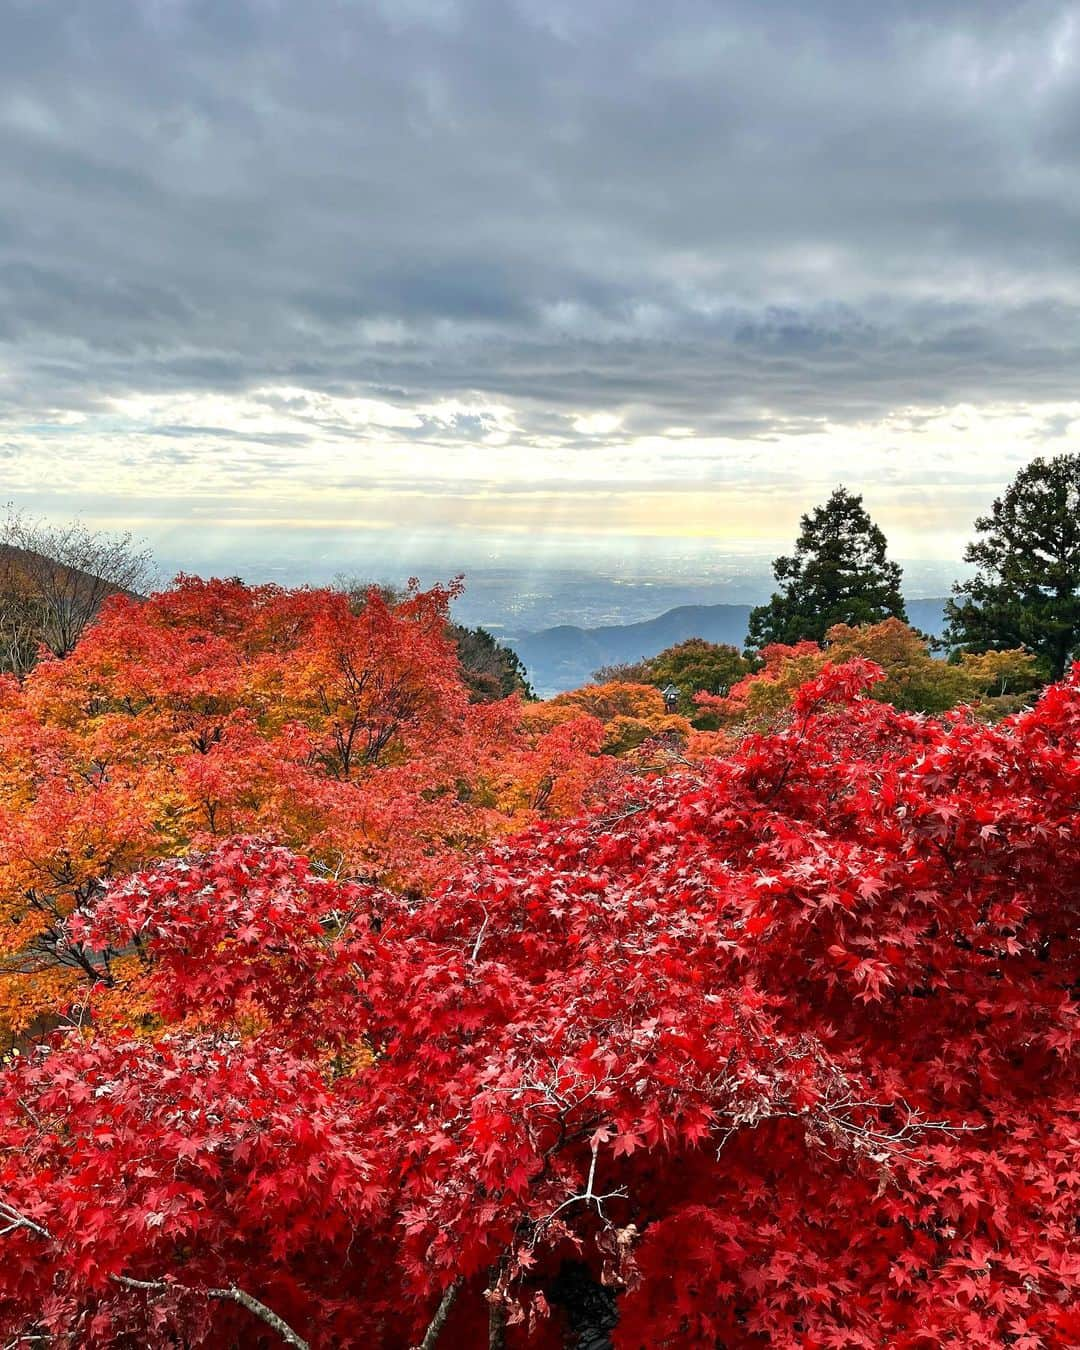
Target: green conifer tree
1026, 591
839, 573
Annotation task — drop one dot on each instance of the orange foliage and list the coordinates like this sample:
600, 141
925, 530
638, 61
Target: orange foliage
630, 713
768, 691
214, 709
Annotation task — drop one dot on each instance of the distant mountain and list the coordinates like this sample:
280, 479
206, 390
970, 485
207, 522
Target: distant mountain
928, 616
565, 657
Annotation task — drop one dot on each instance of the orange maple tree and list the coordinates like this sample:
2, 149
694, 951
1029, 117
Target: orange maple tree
631, 713
216, 708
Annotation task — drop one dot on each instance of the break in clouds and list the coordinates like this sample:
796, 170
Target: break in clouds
581, 245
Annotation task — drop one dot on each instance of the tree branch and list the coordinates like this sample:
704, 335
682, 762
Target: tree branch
232, 1293
442, 1312
17, 1220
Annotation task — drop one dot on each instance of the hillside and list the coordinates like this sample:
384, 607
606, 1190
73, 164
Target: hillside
43, 572
564, 657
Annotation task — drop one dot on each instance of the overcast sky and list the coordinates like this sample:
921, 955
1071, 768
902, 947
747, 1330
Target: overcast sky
421, 274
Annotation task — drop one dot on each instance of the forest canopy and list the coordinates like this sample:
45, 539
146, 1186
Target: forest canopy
771, 1047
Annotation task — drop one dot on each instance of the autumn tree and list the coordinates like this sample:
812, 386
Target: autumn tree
692, 667
213, 709
1001, 679
54, 580
492, 670
994, 683
760, 699
695, 666
778, 1051
839, 573
1026, 589
624, 672
630, 713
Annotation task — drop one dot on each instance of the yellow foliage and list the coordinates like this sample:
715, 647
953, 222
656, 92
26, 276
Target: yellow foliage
630, 713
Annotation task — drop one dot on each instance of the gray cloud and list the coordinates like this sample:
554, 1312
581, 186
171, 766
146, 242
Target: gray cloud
734, 217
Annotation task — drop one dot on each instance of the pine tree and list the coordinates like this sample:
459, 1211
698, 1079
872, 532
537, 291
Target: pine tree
1026, 591
491, 670
839, 573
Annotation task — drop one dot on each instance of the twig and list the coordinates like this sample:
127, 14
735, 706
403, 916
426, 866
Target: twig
17, 1220
480, 937
588, 1196
31, 1113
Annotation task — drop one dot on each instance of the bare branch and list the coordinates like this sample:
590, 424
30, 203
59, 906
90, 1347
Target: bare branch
232, 1293
479, 937
587, 1197
17, 1220
55, 580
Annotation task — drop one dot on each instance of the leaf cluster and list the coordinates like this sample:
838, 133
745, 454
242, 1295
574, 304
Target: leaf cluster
781, 1048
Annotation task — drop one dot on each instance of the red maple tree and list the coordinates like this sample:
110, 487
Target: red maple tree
780, 1050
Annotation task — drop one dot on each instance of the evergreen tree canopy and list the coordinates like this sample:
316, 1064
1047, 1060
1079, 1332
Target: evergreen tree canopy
491, 669
839, 573
1027, 588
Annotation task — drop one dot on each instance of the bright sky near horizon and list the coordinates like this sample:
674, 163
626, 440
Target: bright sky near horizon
443, 278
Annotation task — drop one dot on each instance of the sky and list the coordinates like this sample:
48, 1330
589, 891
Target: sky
425, 282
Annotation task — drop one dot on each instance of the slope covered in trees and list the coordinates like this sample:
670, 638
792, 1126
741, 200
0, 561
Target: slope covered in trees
54, 581
780, 1050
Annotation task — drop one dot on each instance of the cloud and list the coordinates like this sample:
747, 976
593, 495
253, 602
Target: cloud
314, 240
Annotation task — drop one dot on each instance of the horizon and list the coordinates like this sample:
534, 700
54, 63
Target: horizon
515, 598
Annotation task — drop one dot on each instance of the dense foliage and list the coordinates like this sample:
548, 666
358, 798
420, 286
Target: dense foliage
1026, 591
839, 573
631, 713
782, 1048
215, 708
994, 683
692, 667
491, 669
